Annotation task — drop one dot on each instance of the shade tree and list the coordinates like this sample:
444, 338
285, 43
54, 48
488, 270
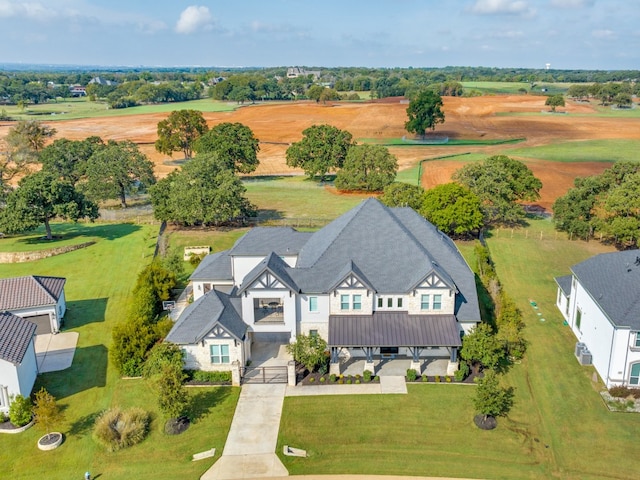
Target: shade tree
501, 183
452, 208
233, 143
399, 194
323, 149
40, 198
424, 112
67, 159
179, 131
117, 170
204, 192
367, 168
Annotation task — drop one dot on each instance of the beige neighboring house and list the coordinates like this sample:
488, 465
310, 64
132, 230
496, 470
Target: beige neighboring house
295, 72
18, 366
39, 299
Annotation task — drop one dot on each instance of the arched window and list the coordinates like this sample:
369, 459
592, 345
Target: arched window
634, 378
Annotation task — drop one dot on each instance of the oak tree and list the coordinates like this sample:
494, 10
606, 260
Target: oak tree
322, 149
424, 112
452, 208
233, 143
367, 168
179, 131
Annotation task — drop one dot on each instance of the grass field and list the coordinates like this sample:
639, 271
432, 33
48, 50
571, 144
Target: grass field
559, 427
76, 108
98, 290
453, 142
582, 151
503, 88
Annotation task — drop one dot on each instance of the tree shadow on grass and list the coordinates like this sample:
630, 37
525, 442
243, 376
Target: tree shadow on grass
83, 425
89, 370
205, 400
83, 312
71, 230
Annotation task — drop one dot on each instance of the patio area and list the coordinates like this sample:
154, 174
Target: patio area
396, 366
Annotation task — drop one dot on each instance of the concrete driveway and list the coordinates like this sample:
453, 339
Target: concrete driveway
54, 352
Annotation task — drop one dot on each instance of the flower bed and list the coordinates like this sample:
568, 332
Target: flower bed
326, 379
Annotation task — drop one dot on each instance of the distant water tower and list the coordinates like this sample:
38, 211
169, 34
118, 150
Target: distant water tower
547, 66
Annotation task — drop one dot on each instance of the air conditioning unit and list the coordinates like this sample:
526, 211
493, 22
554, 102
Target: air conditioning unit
579, 347
585, 357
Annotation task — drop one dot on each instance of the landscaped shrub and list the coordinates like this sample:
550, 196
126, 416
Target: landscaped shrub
332, 378
209, 377
311, 379
367, 375
447, 379
425, 378
623, 392
3, 417
437, 378
116, 429
462, 372
322, 379
411, 375
20, 411
160, 355
349, 381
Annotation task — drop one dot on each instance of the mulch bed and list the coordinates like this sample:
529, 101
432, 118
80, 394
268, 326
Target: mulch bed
8, 426
315, 379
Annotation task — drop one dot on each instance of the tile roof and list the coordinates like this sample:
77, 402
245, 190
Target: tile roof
15, 336
199, 318
393, 329
613, 281
31, 291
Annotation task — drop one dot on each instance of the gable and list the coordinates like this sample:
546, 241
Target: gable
351, 282
267, 281
432, 280
218, 332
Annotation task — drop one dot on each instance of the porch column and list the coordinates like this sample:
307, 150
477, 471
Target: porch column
415, 359
291, 373
235, 373
368, 363
453, 365
334, 365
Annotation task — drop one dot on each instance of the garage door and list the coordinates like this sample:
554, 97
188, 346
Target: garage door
43, 322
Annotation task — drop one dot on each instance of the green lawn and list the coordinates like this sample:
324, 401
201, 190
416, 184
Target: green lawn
451, 142
559, 427
297, 197
582, 151
70, 109
98, 290
503, 88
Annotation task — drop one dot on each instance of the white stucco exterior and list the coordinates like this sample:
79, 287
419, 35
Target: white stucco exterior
613, 348
17, 379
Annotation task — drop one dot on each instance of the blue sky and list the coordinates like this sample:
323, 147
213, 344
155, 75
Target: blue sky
568, 34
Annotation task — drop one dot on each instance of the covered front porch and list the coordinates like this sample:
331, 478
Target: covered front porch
390, 343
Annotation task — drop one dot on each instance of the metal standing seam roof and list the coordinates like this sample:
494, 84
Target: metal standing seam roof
393, 329
15, 336
613, 281
30, 291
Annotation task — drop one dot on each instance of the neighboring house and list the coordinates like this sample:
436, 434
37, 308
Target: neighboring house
600, 301
18, 366
39, 299
295, 72
77, 91
102, 81
375, 282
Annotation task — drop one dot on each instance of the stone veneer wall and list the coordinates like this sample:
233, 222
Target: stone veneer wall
20, 257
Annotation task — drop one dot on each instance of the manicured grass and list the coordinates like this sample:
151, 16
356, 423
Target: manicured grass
559, 426
98, 290
514, 87
297, 197
452, 142
64, 235
70, 109
583, 151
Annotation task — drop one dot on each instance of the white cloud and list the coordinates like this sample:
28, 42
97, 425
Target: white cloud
194, 18
572, 3
31, 10
603, 34
502, 7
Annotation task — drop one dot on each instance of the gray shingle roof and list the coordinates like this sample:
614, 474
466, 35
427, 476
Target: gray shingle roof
15, 336
565, 284
216, 266
613, 281
30, 291
274, 264
393, 329
261, 241
199, 318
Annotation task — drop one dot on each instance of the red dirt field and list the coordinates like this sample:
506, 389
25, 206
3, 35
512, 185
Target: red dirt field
278, 124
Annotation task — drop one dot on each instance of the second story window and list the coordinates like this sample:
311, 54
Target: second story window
344, 302
357, 302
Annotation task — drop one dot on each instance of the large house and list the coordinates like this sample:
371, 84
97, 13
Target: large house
18, 367
600, 300
376, 282
39, 299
